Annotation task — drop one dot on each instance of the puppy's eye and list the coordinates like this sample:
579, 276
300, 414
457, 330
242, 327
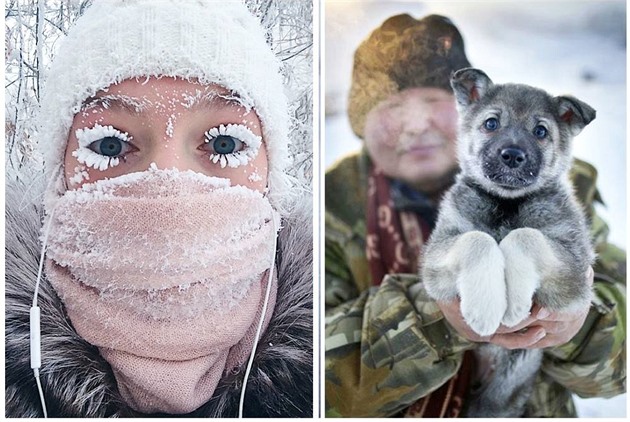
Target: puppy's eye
540, 132
491, 124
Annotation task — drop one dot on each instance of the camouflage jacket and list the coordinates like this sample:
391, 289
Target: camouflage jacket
389, 345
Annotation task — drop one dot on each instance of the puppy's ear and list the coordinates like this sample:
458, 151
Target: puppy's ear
575, 113
469, 85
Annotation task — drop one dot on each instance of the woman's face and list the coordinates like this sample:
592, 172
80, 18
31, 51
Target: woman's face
173, 123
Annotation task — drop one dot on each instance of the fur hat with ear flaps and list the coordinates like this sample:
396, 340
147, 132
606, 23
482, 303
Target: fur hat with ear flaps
403, 53
202, 40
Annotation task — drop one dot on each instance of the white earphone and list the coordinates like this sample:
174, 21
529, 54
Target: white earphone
36, 347
270, 277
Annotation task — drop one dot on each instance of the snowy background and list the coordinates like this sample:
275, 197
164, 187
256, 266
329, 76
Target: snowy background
576, 47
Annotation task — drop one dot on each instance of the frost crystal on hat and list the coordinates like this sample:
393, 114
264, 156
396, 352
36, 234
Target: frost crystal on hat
203, 40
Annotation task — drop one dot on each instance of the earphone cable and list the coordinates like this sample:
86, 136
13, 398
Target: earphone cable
262, 319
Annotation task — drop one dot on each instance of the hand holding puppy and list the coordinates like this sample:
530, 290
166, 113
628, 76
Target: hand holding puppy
540, 330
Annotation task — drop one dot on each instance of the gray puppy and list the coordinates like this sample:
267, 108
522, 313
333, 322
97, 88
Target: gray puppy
510, 231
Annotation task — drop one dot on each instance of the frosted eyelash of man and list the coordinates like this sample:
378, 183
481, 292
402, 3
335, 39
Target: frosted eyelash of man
239, 133
87, 136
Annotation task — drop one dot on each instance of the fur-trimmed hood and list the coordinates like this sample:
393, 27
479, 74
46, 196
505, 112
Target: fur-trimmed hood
78, 382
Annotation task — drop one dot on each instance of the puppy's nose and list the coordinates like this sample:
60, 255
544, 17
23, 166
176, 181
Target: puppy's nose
513, 157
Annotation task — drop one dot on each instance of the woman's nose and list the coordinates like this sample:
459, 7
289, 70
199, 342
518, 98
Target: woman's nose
170, 153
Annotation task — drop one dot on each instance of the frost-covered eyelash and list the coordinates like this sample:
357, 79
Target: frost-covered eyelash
87, 136
243, 134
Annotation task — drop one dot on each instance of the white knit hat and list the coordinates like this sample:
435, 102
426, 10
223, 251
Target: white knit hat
212, 41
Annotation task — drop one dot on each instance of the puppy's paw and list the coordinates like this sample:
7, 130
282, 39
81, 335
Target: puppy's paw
518, 307
522, 277
482, 292
521, 281
483, 313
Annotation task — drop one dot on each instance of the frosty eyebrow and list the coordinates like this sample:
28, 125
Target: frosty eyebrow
129, 104
137, 106
212, 100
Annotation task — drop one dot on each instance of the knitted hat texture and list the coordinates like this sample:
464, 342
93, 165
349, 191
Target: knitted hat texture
217, 42
403, 53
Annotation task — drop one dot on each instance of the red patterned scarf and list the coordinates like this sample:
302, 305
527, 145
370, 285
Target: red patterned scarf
393, 245
394, 239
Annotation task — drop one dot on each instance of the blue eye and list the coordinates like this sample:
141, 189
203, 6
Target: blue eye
540, 132
230, 145
110, 146
224, 144
491, 124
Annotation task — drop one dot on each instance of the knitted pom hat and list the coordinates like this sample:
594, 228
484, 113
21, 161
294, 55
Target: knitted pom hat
403, 53
211, 41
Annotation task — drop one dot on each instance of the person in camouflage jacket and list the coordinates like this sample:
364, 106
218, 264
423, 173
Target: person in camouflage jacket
388, 344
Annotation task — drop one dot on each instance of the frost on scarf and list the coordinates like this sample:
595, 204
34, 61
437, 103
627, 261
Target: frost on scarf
167, 237
164, 272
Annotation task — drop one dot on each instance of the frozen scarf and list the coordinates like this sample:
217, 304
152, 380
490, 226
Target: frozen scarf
165, 272
397, 227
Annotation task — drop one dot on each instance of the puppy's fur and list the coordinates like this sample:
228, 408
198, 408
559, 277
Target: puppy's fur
510, 231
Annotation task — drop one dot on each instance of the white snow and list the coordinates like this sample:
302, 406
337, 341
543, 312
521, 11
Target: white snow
90, 158
234, 97
169, 126
191, 100
254, 177
88, 135
80, 174
563, 47
156, 177
104, 101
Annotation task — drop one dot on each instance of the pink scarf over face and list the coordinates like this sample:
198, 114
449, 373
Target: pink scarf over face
165, 272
